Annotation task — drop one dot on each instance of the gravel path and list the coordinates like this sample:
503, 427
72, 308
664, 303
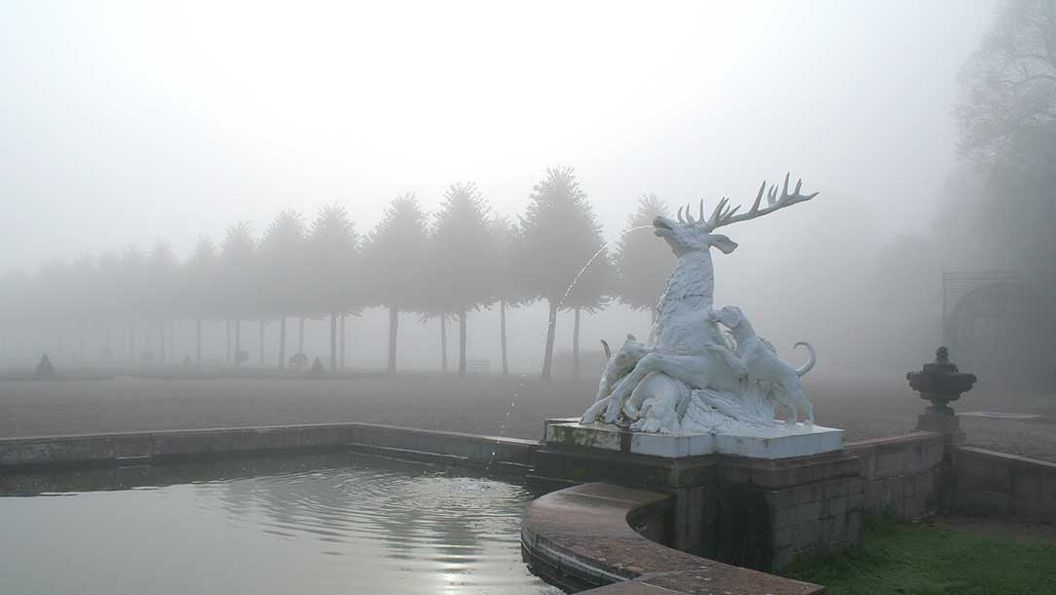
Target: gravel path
476, 405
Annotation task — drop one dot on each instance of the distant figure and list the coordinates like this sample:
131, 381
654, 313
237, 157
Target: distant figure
243, 357
186, 363
44, 368
298, 361
317, 367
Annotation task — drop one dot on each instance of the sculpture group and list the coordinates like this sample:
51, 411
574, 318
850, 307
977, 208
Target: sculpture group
703, 369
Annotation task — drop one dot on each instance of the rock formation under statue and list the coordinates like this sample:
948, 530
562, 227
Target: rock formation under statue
703, 369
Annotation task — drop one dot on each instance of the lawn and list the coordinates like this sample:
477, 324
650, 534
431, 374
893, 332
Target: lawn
921, 559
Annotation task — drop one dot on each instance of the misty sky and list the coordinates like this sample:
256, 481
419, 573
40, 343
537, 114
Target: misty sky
125, 123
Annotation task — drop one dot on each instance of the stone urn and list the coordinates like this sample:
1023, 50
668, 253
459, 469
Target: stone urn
940, 382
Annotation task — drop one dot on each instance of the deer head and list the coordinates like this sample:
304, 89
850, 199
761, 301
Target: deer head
697, 235
688, 235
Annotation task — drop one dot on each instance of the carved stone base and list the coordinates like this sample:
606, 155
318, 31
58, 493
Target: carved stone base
761, 443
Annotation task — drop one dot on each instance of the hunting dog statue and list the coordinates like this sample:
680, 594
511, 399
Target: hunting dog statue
774, 376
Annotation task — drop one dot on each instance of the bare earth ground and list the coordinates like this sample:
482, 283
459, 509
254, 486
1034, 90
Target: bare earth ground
475, 404
999, 527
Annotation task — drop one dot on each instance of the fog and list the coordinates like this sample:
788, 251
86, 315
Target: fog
129, 124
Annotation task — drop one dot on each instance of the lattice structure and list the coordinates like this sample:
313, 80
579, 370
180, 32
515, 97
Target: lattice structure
957, 284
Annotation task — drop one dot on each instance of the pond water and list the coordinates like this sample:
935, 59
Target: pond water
323, 525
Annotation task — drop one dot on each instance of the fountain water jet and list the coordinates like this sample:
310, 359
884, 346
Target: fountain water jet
523, 376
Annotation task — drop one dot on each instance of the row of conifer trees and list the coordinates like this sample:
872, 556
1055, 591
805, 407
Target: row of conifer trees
460, 259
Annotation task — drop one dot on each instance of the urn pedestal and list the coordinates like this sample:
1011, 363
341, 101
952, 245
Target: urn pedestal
941, 383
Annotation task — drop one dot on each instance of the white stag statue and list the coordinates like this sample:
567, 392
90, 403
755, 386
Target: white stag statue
699, 372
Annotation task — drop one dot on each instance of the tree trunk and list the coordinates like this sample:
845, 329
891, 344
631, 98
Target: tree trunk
161, 342
502, 336
282, 342
462, 344
238, 342
261, 342
343, 341
575, 345
551, 327
333, 341
198, 342
443, 342
394, 321
227, 343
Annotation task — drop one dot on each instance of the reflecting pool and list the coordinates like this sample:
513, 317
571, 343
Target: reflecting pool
323, 524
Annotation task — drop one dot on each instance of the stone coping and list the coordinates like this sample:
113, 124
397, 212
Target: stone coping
582, 538
896, 439
350, 424
139, 447
1004, 456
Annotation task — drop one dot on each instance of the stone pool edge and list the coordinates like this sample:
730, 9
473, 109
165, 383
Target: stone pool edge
619, 544
502, 454
609, 539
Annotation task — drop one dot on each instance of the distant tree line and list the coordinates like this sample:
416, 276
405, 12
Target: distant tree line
442, 267
1007, 118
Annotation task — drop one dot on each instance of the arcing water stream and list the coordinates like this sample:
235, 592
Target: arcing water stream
522, 376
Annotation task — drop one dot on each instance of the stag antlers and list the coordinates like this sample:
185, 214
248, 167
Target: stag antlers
724, 214
689, 218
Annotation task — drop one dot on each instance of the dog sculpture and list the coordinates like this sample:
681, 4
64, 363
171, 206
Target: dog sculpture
620, 363
763, 366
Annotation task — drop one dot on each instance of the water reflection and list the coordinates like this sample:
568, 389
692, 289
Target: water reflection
325, 524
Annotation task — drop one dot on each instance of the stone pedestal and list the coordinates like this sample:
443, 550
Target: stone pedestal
749, 511
778, 442
947, 424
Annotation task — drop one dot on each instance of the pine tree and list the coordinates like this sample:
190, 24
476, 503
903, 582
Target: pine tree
335, 253
505, 284
284, 259
200, 281
395, 265
463, 260
239, 288
558, 236
643, 263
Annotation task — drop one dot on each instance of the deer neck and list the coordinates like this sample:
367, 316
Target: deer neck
690, 286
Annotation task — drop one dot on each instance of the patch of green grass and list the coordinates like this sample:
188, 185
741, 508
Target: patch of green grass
924, 560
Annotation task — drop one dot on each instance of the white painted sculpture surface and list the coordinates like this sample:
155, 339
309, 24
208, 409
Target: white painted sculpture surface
703, 370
